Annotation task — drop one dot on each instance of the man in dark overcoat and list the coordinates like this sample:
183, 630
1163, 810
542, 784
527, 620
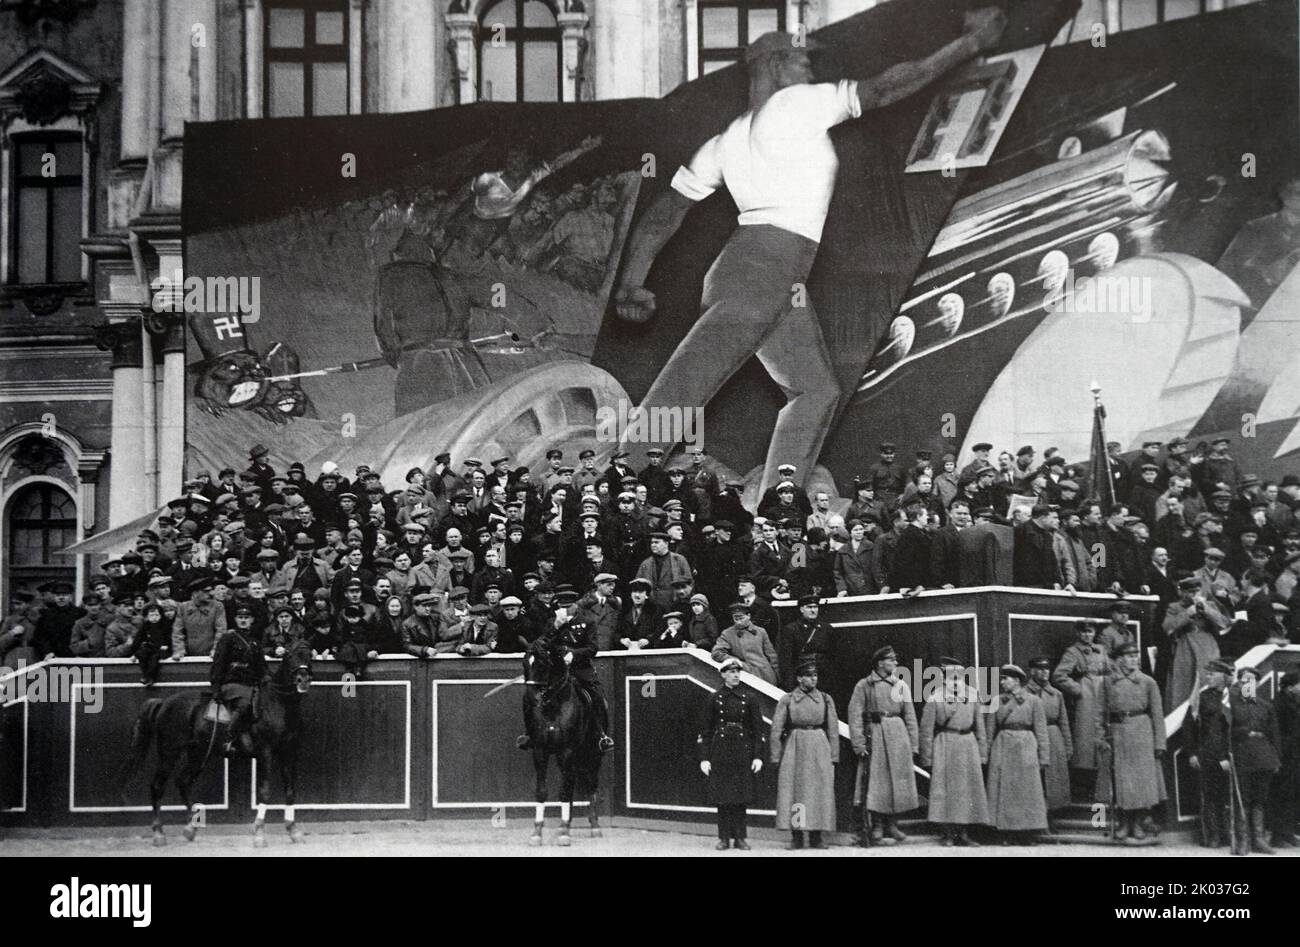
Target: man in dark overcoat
730, 747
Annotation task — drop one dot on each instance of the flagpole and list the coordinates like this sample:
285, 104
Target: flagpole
1099, 413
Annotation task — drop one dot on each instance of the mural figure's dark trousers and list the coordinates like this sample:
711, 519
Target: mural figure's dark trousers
755, 302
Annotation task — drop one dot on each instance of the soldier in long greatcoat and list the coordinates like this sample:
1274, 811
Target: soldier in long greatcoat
882, 728
1021, 750
1132, 721
730, 747
953, 746
1078, 676
1194, 625
1056, 784
806, 743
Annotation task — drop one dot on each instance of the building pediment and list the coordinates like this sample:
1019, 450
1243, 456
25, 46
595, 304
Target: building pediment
42, 87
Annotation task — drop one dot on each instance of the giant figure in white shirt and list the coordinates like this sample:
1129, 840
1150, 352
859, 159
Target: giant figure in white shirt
779, 164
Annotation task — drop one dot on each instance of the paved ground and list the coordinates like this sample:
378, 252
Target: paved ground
476, 839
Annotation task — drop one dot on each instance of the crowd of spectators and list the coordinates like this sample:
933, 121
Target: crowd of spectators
469, 558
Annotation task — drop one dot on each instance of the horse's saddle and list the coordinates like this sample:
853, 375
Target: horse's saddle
216, 712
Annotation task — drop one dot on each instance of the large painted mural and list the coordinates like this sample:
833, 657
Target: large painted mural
451, 288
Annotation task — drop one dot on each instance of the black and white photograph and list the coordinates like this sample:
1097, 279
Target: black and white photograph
703, 429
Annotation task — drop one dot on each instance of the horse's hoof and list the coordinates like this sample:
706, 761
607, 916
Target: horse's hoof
294, 834
534, 840
159, 840
190, 833
564, 841
597, 833
259, 841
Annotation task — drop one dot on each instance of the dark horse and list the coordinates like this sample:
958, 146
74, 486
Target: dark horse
561, 725
186, 741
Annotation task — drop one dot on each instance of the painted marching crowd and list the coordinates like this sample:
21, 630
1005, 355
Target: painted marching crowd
482, 558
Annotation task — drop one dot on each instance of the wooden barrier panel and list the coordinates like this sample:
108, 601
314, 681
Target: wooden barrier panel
422, 739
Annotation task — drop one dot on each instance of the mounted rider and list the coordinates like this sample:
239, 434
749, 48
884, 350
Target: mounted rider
238, 667
573, 643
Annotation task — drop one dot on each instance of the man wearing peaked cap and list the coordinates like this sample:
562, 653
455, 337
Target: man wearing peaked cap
806, 745
803, 636
1133, 727
730, 748
953, 745
1056, 782
1019, 754
1208, 743
883, 731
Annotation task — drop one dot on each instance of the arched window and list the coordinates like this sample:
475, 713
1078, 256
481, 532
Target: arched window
519, 52
42, 520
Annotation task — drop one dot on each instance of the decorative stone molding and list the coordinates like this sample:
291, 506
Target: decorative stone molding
123, 340
42, 87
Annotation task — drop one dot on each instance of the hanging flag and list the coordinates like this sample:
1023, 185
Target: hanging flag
1099, 471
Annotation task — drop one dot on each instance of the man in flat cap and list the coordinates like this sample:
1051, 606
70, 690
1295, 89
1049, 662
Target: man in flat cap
730, 748
749, 642
600, 610
1194, 626
53, 634
883, 730
779, 164
1133, 745
662, 568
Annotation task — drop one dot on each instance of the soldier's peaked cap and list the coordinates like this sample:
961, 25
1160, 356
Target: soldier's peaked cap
806, 665
882, 654
732, 662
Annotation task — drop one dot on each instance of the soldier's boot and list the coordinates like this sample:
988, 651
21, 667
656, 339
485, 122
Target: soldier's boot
947, 836
1121, 824
878, 830
815, 840
796, 839
962, 838
1136, 834
1258, 833
891, 826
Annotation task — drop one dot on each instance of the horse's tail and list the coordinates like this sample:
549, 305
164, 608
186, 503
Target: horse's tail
142, 737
